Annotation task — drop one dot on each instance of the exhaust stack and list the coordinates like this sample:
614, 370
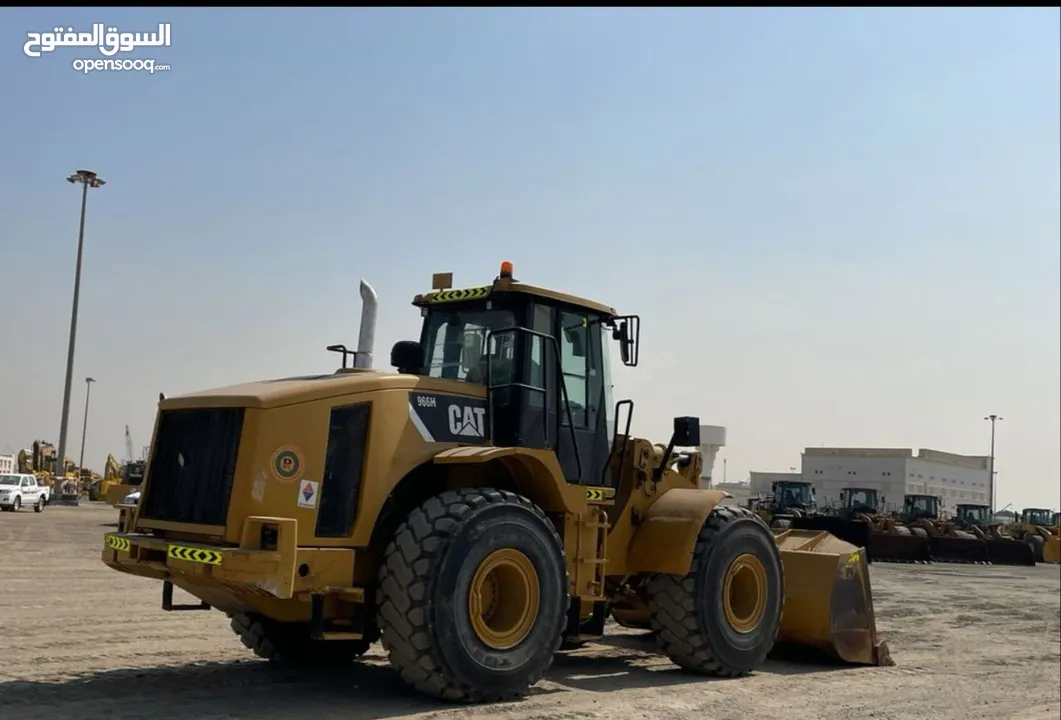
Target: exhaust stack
366, 338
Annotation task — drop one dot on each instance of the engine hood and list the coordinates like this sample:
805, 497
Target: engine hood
308, 388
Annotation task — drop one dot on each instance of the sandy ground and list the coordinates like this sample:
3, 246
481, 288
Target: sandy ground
81, 641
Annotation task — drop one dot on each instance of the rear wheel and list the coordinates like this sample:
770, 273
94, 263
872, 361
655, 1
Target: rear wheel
722, 618
473, 595
39, 507
291, 644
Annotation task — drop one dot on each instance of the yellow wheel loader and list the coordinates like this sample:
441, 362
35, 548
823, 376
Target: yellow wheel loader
975, 520
473, 510
789, 499
1035, 531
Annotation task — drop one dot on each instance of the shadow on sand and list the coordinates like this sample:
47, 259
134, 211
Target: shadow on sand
371, 689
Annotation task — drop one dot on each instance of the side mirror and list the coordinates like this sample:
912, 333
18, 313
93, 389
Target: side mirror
408, 356
686, 432
628, 332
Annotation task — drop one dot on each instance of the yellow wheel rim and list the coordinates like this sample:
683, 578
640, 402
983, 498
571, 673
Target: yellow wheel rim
744, 593
503, 599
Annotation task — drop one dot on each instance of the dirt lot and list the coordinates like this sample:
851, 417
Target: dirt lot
82, 641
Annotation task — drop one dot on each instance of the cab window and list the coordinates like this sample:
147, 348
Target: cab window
455, 342
574, 363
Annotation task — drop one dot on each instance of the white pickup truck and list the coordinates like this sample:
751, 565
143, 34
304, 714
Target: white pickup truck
23, 490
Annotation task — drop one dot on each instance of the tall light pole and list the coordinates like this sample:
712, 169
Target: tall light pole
991, 472
84, 429
88, 179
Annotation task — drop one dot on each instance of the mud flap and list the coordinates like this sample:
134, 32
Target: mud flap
893, 547
828, 607
958, 550
1009, 552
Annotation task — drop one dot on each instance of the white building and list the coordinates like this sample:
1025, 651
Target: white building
7, 464
895, 472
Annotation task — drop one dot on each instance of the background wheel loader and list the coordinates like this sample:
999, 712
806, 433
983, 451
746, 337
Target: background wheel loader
789, 499
859, 521
1034, 530
474, 510
946, 542
1001, 550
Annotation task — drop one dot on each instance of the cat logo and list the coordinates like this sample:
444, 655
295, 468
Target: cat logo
467, 421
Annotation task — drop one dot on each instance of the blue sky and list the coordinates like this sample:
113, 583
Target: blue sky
840, 227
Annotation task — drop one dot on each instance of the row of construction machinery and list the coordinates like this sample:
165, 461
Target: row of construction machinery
40, 460
917, 532
474, 512
119, 479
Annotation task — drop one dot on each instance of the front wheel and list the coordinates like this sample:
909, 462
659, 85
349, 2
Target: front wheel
473, 595
16, 505
722, 618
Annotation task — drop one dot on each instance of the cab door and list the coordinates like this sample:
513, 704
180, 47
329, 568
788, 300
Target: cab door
30, 491
585, 417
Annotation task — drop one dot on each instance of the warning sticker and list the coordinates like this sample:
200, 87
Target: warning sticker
307, 494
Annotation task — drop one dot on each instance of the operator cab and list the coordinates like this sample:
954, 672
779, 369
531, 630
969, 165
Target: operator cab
1036, 516
860, 499
969, 514
544, 358
921, 506
788, 494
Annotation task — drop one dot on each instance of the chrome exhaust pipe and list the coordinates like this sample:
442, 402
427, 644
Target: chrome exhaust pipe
366, 338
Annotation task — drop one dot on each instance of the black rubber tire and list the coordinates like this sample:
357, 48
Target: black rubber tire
290, 643
16, 504
687, 612
39, 505
1035, 542
423, 595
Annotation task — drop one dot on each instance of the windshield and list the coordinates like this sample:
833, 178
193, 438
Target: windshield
1037, 517
862, 499
10, 480
454, 342
921, 505
791, 494
972, 513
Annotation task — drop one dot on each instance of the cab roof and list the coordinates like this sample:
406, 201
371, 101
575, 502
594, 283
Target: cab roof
509, 285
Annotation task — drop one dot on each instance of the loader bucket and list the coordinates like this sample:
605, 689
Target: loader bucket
893, 547
1052, 550
828, 602
958, 550
1009, 552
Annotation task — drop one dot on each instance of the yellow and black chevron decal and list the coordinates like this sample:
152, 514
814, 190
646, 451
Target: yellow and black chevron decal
197, 555
599, 494
457, 295
117, 542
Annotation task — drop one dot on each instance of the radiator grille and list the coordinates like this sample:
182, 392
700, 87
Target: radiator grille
193, 463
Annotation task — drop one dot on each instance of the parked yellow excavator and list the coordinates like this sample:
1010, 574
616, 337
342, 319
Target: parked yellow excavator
474, 510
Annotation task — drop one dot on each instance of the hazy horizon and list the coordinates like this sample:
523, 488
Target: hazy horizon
840, 227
